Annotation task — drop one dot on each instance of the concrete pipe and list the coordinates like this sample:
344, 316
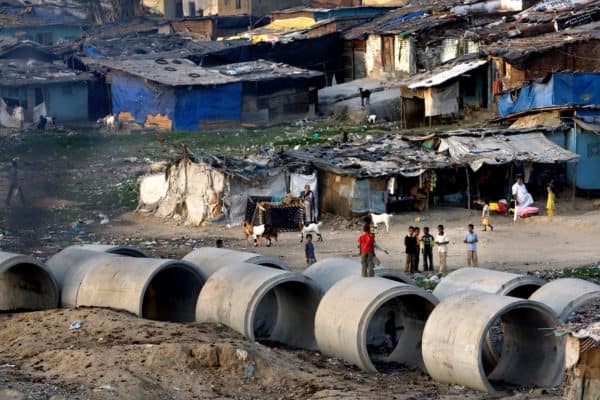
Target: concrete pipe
211, 259
455, 336
164, 290
127, 251
489, 281
567, 295
351, 318
261, 303
26, 284
327, 272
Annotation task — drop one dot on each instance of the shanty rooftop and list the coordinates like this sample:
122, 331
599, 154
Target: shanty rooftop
517, 50
141, 45
183, 72
410, 156
444, 73
20, 73
403, 21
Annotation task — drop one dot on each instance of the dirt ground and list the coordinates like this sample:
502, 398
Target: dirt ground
69, 181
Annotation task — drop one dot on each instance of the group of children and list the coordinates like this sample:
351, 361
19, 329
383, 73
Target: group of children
414, 245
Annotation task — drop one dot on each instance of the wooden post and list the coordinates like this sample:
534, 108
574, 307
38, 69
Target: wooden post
468, 188
574, 177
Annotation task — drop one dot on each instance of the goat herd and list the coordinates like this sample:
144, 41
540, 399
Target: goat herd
269, 232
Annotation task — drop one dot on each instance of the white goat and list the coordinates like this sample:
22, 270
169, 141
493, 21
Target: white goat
372, 118
111, 122
312, 228
382, 219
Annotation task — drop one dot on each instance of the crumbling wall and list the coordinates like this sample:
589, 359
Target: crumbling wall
404, 55
373, 56
583, 369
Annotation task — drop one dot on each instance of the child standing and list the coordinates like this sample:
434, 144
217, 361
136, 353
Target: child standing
309, 251
411, 249
485, 216
427, 243
417, 233
471, 241
551, 199
442, 242
391, 332
366, 244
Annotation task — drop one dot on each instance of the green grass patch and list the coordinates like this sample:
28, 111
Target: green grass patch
588, 273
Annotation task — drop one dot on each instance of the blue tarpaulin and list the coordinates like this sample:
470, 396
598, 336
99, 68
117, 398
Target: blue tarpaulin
223, 102
403, 18
562, 89
186, 107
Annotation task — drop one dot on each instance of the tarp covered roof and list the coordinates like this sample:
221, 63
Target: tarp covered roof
387, 156
503, 149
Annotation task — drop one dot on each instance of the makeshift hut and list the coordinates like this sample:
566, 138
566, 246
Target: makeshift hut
495, 156
385, 174
224, 190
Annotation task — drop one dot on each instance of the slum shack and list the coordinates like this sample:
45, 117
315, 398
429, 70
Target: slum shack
212, 189
582, 361
454, 90
495, 156
178, 95
30, 89
388, 174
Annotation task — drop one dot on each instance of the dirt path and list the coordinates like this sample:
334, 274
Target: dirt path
533, 244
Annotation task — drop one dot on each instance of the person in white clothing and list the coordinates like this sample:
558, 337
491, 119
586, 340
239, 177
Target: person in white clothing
521, 196
441, 241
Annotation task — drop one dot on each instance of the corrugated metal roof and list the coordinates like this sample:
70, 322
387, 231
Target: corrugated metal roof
183, 72
444, 74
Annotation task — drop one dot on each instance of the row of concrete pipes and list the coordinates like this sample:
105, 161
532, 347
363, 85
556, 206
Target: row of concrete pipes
479, 328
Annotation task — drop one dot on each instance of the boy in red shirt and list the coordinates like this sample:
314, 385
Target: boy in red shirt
366, 243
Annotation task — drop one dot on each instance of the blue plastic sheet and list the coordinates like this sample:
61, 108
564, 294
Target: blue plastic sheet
562, 89
131, 94
186, 107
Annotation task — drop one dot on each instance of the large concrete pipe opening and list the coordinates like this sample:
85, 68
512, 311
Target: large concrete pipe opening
350, 321
26, 284
455, 336
489, 281
126, 251
165, 290
211, 259
261, 303
567, 296
327, 272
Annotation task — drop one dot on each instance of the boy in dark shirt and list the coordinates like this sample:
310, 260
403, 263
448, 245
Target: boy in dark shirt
391, 335
309, 251
427, 243
411, 249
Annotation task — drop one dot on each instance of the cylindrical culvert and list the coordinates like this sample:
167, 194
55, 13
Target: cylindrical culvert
26, 284
350, 321
261, 303
455, 336
488, 281
211, 259
327, 272
165, 290
127, 251
567, 295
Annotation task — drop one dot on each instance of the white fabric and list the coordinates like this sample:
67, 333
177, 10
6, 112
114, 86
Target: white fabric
38, 111
11, 121
442, 248
524, 198
441, 100
297, 183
